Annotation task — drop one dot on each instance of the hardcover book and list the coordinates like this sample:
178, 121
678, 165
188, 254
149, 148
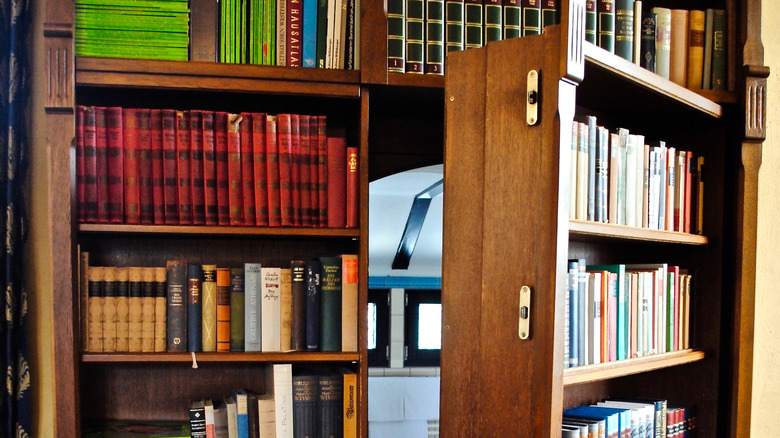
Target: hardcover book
453, 24
235, 185
647, 44
260, 170
313, 271
115, 157
513, 26
252, 310
158, 183
285, 292
123, 312
493, 27
352, 183
109, 309
183, 167
305, 402
237, 303
271, 307
160, 308
247, 168
130, 144
678, 48
147, 325
349, 302
330, 304
396, 36
331, 401
473, 24
209, 308
663, 41
146, 202
415, 36
170, 167
221, 167
591, 27
90, 198
337, 162
135, 310
177, 310
101, 154
695, 48
298, 291
606, 25
624, 29
532, 17
223, 309
194, 309
273, 166
209, 169
279, 384
197, 182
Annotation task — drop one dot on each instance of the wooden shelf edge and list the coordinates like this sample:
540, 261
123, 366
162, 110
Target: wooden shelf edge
651, 81
611, 370
218, 230
586, 230
415, 80
218, 357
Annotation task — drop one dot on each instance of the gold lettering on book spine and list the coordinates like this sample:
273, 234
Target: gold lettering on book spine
147, 318
160, 309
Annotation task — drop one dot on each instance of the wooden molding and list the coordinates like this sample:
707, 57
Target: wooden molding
59, 70
755, 108
574, 34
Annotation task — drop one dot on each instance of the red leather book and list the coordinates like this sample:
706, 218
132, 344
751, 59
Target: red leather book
352, 187
294, 32
295, 169
235, 196
170, 167
81, 209
130, 144
322, 168
247, 169
285, 169
158, 184
671, 160
337, 180
183, 166
220, 142
209, 169
196, 168
304, 175
272, 167
115, 165
145, 166
101, 156
90, 166
260, 170
314, 185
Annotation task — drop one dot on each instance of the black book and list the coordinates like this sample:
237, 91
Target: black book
197, 419
176, 311
194, 310
313, 269
298, 289
331, 405
647, 43
305, 397
252, 416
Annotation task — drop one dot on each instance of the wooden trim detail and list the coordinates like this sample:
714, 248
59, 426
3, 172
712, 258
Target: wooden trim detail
755, 108
574, 34
59, 72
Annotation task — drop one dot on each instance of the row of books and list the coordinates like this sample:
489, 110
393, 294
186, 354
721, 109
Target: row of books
617, 177
309, 306
148, 29
616, 312
302, 403
152, 166
686, 47
293, 33
634, 417
421, 32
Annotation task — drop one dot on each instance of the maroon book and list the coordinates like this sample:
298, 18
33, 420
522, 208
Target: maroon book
170, 167
295, 168
314, 186
220, 159
259, 169
158, 185
209, 169
116, 184
285, 168
322, 168
101, 155
130, 144
196, 168
337, 181
272, 167
183, 166
81, 208
90, 166
247, 169
304, 175
352, 187
145, 166
294, 32
235, 197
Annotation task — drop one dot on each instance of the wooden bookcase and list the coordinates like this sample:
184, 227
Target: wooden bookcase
507, 183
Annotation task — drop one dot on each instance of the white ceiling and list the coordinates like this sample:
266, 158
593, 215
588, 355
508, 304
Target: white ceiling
389, 202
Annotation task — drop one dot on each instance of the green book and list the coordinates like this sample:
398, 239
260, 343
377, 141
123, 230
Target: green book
532, 17
434, 37
396, 36
473, 27
415, 36
606, 25
513, 26
330, 304
719, 60
237, 294
550, 13
590, 21
222, 56
493, 16
269, 32
624, 29
453, 20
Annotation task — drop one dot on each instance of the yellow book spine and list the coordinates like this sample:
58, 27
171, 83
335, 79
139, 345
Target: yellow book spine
160, 309
350, 405
136, 310
696, 21
209, 308
109, 309
84, 298
147, 315
122, 310
95, 309
286, 315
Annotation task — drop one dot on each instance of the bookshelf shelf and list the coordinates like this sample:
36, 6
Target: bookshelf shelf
289, 357
592, 231
415, 80
205, 76
218, 230
611, 370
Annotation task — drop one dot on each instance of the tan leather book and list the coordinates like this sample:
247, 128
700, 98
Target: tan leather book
135, 314
95, 309
696, 21
122, 309
678, 58
147, 318
160, 294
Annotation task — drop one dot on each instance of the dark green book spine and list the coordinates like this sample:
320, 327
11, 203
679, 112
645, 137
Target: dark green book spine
513, 26
532, 17
237, 294
473, 28
415, 36
434, 37
322, 28
590, 21
330, 304
624, 29
606, 26
453, 16
550, 13
493, 17
176, 310
719, 59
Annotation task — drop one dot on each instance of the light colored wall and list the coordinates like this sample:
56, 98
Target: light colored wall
766, 372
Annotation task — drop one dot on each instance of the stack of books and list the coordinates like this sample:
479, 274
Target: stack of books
626, 416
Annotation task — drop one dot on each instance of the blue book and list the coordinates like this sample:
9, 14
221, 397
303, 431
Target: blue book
194, 308
622, 306
309, 34
242, 413
618, 420
252, 311
574, 314
313, 272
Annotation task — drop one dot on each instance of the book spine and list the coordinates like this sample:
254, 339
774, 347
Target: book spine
273, 167
341, 32
322, 169
352, 183
197, 176
136, 310
606, 25
90, 166
252, 309
349, 302
532, 17
647, 45
331, 391
81, 206
194, 308
678, 54
309, 56
592, 175
145, 201
314, 171
122, 310
223, 309
689, 165
582, 171
719, 55
550, 13
204, 42
271, 309
130, 144
602, 172
669, 187
513, 26
313, 272
637, 31
294, 33
109, 309
415, 36
158, 182
235, 196
706, 80
160, 308
285, 169
259, 168
349, 412
337, 161
115, 158
148, 303
285, 298
298, 290
101, 154
352, 35
197, 420
183, 166
209, 308
663, 42
247, 169
170, 167
209, 169
493, 20
295, 169
322, 31
237, 306
269, 34
645, 207
473, 24
434, 36
591, 28
330, 304
305, 398
453, 24
304, 169
176, 333
221, 169
624, 29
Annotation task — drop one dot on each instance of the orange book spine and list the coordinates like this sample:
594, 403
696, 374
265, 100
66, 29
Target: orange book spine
223, 309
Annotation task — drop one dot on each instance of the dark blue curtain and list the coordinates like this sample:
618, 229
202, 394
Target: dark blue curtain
15, 406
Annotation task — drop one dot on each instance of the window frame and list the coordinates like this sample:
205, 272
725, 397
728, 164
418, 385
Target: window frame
380, 356
416, 357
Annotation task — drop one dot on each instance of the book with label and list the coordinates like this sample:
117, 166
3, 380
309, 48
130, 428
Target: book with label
271, 306
237, 304
279, 384
252, 310
177, 307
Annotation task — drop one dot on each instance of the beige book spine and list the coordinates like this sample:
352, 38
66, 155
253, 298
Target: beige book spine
147, 318
109, 309
160, 309
122, 310
84, 298
136, 310
286, 297
695, 48
678, 58
95, 309
349, 302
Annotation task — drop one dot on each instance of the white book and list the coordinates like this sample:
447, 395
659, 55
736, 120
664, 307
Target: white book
281, 33
266, 416
594, 317
652, 191
582, 172
271, 307
278, 383
330, 35
221, 429
232, 417
642, 416
637, 30
640, 180
648, 314
575, 135
631, 178
679, 192
208, 410
252, 310
622, 168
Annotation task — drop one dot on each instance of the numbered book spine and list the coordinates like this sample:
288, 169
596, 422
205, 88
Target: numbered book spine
493, 20
606, 25
473, 24
415, 36
177, 309
453, 25
532, 17
434, 37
